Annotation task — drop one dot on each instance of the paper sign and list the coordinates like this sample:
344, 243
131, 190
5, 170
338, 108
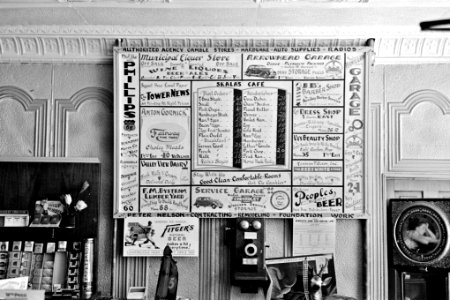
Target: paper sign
148, 236
313, 236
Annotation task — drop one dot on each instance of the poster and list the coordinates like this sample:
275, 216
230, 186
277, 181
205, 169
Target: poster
302, 277
204, 132
145, 236
313, 235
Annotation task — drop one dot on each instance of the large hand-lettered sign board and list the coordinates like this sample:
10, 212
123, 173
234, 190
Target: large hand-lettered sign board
227, 132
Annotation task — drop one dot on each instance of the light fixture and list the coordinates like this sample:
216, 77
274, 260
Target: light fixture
436, 25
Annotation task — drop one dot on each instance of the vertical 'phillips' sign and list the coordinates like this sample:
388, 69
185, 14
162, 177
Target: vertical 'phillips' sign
130, 91
127, 126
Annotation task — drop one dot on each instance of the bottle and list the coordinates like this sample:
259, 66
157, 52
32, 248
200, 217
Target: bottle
168, 277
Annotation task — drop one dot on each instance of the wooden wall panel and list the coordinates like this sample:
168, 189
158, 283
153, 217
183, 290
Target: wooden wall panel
418, 187
214, 277
84, 123
417, 112
419, 133
16, 129
23, 123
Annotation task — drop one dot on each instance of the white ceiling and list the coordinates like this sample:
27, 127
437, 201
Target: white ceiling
46, 29
388, 16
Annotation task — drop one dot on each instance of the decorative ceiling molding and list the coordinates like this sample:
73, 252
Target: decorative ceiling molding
95, 43
210, 31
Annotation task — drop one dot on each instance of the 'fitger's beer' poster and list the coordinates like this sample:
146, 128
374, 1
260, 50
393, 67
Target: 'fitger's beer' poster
148, 236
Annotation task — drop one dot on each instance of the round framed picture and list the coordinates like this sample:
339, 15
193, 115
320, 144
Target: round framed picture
421, 234
280, 200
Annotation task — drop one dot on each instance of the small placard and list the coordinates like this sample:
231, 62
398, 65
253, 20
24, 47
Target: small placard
250, 235
39, 248
136, 293
51, 247
28, 246
313, 235
17, 246
250, 261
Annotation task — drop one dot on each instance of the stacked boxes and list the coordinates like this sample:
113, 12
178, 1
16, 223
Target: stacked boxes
17, 246
14, 264
36, 266
47, 272
27, 260
25, 265
43, 275
29, 245
3, 264
73, 270
60, 266
57, 269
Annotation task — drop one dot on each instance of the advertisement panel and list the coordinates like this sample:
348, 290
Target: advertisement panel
241, 199
265, 129
148, 236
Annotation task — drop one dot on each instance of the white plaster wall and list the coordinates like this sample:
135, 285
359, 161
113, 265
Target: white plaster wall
402, 80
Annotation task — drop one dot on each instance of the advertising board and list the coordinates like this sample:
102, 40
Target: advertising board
271, 131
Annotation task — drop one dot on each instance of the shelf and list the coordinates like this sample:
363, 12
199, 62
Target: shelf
24, 181
40, 234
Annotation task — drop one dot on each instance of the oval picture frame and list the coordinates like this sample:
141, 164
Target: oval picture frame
421, 233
